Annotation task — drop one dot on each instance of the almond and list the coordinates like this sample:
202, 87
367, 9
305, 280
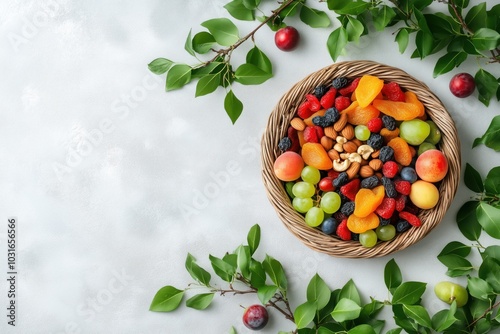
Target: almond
298, 124
376, 164
327, 142
366, 171
376, 154
330, 132
333, 154
350, 147
348, 132
357, 142
353, 169
340, 123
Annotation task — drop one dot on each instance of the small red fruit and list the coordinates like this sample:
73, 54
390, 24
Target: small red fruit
255, 317
287, 38
462, 85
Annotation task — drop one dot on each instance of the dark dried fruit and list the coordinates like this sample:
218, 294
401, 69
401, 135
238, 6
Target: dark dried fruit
342, 179
284, 144
339, 82
370, 182
376, 141
402, 226
389, 122
386, 153
390, 190
320, 91
347, 208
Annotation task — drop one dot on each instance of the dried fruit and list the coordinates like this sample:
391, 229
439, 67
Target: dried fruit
393, 92
304, 111
401, 111
342, 102
367, 90
403, 187
390, 169
410, 218
350, 189
389, 134
375, 125
358, 115
349, 89
402, 152
362, 224
367, 200
310, 135
314, 154
386, 208
386, 153
314, 104
328, 100
370, 182
343, 231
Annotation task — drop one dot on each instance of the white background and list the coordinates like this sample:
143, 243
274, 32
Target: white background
97, 162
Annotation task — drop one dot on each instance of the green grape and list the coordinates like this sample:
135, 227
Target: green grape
315, 216
386, 232
310, 174
303, 189
330, 202
414, 131
361, 132
302, 205
435, 134
368, 239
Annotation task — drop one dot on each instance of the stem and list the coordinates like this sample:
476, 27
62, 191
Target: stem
484, 314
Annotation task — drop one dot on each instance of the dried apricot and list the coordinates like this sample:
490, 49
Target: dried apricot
388, 134
368, 88
402, 151
309, 121
314, 154
358, 115
362, 224
401, 111
367, 200
412, 98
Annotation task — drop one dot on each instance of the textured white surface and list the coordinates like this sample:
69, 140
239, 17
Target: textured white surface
98, 162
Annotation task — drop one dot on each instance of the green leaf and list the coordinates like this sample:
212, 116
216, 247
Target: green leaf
479, 288
408, 293
304, 314
178, 76
492, 181
232, 330
243, 260
382, 17
197, 273
485, 39
350, 291
362, 329
402, 38
266, 292
394, 331
346, 309
188, 45
257, 274
249, 74
457, 248
213, 67
419, 314
492, 252
200, 301
237, 9
489, 216
233, 106
486, 85
490, 272
425, 43
473, 179
253, 238
166, 299
491, 138
203, 42
353, 8
456, 264
445, 318
314, 18
251, 4
223, 30
258, 58
337, 4
275, 271
371, 309
467, 221
336, 42
292, 9
223, 269
354, 29
392, 275
318, 292
160, 65
448, 62
207, 84
476, 16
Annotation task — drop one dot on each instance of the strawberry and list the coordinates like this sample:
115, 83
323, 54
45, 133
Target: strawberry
342, 102
311, 135
386, 208
304, 110
314, 104
343, 232
410, 218
350, 189
393, 92
400, 202
294, 137
346, 91
328, 99
319, 131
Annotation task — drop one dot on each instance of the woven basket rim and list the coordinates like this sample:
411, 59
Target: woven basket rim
277, 126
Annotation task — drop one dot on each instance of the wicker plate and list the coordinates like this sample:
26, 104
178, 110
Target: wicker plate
279, 121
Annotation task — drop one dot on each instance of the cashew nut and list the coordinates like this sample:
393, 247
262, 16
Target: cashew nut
341, 165
355, 157
365, 151
344, 156
341, 140
338, 147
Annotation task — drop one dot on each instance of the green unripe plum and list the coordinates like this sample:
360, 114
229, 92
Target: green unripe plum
449, 292
425, 146
414, 131
434, 135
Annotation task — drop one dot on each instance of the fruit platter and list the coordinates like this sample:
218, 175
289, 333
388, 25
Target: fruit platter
360, 160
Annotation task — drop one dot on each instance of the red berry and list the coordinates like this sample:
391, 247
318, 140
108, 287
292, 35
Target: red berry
294, 137
310, 135
347, 91
333, 173
304, 110
319, 131
410, 218
375, 125
386, 208
393, 92
350, 189
400, 202
328, 99
342, 102
342, 231
326, 184
314, 104
403, 187
390, 169
255, 317
287, 38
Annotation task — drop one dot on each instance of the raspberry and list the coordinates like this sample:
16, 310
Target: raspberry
342, 102
370, 182
328, 99
386, 153
294, 137
390, 169
386, 208
342, 231
390, 191
310, 135
304, 110
350, 189
375, 125
400, 202
319, 131
403, 187
284, 144
347, 208
339, 82
376, 141
389, 122
320, 91
349, 89
393, 92
314, 102
410, 218
341, 179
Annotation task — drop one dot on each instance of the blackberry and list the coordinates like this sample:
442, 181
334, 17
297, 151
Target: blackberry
348, 208
342, 179
402, 226
370, 182
332, 115
376, 141
389, 122
384, 221
339, 82
284, 144
386, 153
390, 190
320, 91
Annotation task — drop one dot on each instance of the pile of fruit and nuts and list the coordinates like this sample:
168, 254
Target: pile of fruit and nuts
361, 159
